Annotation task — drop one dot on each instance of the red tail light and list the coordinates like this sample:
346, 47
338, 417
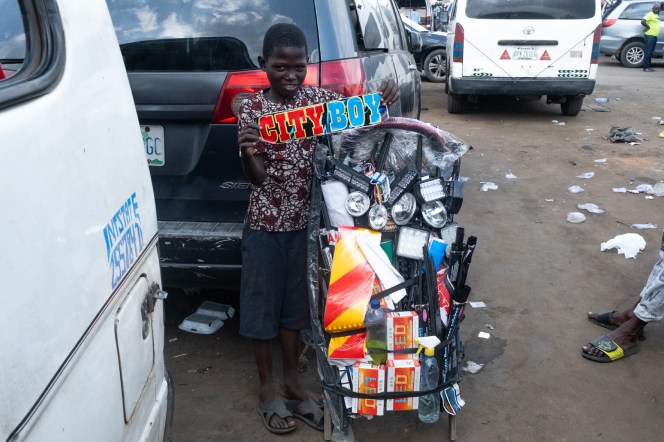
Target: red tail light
240, 85
608, 22
457, 52
345, 77
2, 73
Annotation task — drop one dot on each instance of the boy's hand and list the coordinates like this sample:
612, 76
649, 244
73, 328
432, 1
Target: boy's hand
248, 138
389, 92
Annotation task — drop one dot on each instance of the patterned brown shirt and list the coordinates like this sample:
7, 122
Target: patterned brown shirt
281, 203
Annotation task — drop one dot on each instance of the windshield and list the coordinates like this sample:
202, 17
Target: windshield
412, 24
531, 9
203, 35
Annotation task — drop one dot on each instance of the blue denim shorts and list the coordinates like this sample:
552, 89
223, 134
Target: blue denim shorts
273, 292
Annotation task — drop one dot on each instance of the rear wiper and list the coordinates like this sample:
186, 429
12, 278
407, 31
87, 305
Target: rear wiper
11, 60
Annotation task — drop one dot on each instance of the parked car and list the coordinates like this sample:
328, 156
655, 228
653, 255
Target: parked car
527, 49
432, 59
622, 33
190, 65
82, 323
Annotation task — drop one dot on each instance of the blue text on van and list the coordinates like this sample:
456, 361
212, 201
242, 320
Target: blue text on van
124, 239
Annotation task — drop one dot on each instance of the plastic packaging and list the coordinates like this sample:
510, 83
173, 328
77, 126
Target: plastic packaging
587, 175
658, 189
510, 176
376, 325
351, 281
439, 148
629, 244
645, 188
488, 185
576, 217
626, 134
575, 189
601, 100
335, 193
644, 226
429, 406
592, 208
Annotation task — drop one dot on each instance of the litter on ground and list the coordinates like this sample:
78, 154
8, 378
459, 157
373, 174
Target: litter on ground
586, 175
548, 200
559, 124
629, 244
484, 335
477, 304
589, 130
619, 189
658, 189
488, 185
656, 118
472, 367
603, 160
626, 134
173, 340
489, 326
645, 188
644, 226
592, 208
575, 189
510, 176
576, 217
463, 178
650, 197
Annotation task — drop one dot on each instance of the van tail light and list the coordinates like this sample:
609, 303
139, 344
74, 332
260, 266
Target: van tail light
594, 59
345, 77
457, 54
240, 85
608, 22
2, 73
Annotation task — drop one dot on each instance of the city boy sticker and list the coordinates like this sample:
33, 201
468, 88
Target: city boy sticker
322, 119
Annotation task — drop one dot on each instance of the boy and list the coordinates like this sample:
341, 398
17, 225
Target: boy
651, 24
273, 296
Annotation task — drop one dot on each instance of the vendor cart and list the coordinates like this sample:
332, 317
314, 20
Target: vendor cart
389, 167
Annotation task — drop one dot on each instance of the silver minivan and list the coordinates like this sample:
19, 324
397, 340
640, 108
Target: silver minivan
622, 33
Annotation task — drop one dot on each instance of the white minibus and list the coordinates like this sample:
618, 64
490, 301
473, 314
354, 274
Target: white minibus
82, 316
523, 48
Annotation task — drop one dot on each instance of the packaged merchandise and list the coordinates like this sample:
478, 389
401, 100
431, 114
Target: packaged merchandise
368, 379
403, 376
402, 329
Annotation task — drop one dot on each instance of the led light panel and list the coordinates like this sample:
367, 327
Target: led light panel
448, 235
401, 185
411, 242
430, 190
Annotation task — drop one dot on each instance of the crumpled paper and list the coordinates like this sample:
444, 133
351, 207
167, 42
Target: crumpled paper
629, 244
575, 189
592, 208
488, 185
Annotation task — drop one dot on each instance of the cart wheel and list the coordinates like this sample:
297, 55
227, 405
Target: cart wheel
327, 423
452, 427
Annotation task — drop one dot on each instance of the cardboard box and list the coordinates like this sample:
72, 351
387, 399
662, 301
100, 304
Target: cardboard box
368, 379
402, 329
403, 376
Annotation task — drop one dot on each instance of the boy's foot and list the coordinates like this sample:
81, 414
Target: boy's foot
296, 392
615, 320
276, 417
265, 397
625, 336
648, 70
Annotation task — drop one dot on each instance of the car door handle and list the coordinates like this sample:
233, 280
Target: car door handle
412, 67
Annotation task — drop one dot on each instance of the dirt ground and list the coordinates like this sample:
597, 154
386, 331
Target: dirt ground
538, 274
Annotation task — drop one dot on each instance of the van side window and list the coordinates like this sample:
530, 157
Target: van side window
392, 25
636, 11
12, 38
27, 76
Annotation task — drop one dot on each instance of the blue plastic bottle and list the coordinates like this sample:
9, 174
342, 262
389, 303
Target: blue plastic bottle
429, 405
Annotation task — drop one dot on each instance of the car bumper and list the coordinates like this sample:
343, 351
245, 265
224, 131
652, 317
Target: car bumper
206, 255
521, 86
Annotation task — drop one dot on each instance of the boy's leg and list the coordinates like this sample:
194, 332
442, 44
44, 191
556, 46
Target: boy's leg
295, 316
261, 295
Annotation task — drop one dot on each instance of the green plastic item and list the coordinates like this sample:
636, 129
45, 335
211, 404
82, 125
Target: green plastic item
387, 248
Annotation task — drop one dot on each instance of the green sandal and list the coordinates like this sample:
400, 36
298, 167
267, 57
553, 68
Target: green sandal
612, 350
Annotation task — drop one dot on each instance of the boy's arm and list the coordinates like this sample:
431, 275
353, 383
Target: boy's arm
252, 162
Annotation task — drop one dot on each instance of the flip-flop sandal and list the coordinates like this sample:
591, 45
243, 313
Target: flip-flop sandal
269, 409
308, 412
612, 350
604, 320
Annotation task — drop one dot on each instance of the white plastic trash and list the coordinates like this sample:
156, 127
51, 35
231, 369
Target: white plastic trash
221, 311
619, 190
575, 189
488, 186
592, 208
644, 226
645, 188
658, 189
335, 194
576, 217
629, 244
201, 324
586, 175
510, 176
603, 160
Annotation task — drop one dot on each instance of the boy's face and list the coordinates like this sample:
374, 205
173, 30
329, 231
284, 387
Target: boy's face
286, 69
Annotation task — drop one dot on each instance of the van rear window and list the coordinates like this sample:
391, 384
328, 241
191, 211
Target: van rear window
203, 35
531, 9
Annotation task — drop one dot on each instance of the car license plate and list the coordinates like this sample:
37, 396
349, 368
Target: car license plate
153, 141
525, 54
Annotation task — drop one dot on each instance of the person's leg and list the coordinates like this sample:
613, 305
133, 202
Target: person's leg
648, 51
260, 309
295, 316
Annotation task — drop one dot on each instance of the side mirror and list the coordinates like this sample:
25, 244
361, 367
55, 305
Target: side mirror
414, 42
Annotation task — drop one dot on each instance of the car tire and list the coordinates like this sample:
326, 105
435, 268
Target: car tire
632, 54
572, 106
454, 103
435, 66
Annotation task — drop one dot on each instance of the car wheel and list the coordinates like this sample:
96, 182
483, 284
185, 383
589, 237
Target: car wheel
572, 106
632, 54
454, 103
435, 66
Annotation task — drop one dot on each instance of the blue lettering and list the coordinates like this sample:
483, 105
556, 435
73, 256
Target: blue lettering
148, 148
373, 103
155, 146
134, 205
139, 233
355, 111
337, 114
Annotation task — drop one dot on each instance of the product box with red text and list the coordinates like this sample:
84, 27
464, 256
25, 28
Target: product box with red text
402, 329
403, 376
368, 379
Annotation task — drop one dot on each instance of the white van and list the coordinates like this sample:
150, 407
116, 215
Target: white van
81, 322
525, 48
